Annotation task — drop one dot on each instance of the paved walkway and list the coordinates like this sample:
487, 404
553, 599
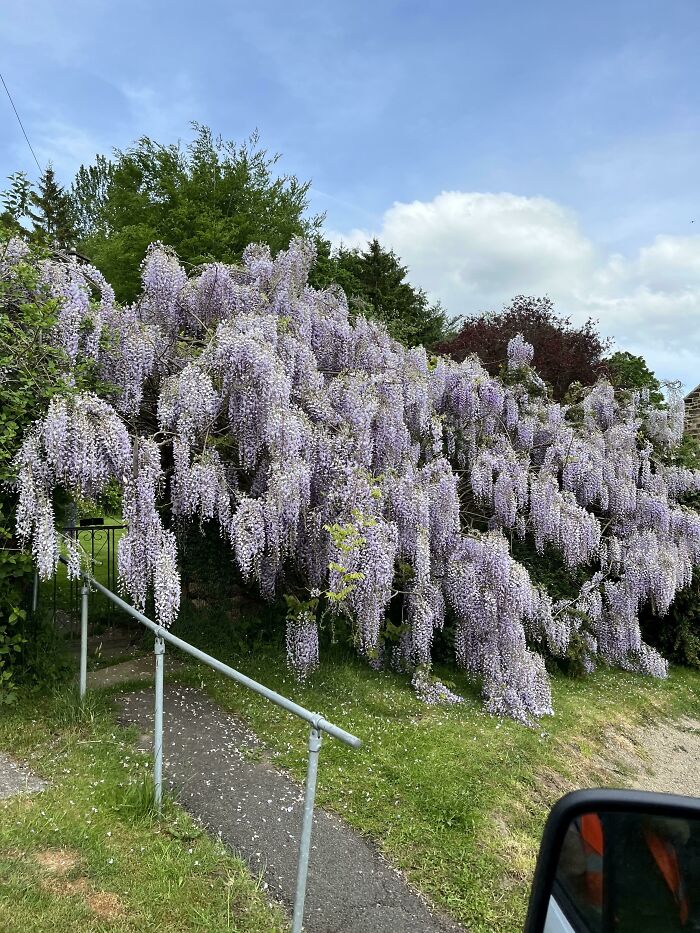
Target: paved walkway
16, 778
217, 770
140, 668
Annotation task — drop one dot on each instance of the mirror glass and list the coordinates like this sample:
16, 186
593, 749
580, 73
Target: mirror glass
628, 873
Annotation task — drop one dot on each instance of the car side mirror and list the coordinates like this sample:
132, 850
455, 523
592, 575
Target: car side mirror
613, 861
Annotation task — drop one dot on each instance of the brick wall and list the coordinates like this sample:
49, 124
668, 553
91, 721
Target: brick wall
692, 413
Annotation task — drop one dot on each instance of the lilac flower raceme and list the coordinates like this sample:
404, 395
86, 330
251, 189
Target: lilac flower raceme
302, 644
163, 281
520, 352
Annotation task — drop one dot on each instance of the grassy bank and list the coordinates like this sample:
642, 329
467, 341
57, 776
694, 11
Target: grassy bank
88, 854
453, 797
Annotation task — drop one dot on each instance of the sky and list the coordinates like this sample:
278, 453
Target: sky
499, 147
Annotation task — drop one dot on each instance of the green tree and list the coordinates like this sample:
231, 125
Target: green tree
89, 195
627, 371
51, 211
375, 282
15, 203
207, 200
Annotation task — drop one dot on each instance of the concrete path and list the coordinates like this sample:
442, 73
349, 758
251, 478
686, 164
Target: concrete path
141, 668
217, 770
16, 778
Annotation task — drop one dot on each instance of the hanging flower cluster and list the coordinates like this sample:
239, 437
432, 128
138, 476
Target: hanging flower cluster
325, 450
80, 445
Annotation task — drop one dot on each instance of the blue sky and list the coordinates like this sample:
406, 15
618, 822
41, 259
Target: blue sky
499, 147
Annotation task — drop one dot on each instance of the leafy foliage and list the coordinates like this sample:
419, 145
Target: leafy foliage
564, 354
627, 371
678, 633
32, 370
208, 200
89, 194
15, 202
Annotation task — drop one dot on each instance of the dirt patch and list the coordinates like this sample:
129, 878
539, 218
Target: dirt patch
671, 758
552, 785
65, 888
661, 757
105, 905
57, 861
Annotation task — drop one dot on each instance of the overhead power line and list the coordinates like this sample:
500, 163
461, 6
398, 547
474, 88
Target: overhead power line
20, 122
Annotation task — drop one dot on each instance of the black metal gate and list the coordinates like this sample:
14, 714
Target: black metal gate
99, 541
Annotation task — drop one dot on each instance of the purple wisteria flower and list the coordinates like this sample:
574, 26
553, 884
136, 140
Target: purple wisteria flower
394, 484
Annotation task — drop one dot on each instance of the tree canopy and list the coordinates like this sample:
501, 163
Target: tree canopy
47, 207
564, 353
207, 200
627, 371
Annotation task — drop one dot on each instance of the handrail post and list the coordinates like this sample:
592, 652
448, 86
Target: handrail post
305, 843
35, 591
159, 651
83, 639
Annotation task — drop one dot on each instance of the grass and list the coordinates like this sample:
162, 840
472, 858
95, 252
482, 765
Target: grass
454, 798
89, 854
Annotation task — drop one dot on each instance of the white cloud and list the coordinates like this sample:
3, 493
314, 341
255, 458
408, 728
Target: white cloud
474, 251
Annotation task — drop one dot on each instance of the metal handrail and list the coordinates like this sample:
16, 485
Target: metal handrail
317, 723
314, 719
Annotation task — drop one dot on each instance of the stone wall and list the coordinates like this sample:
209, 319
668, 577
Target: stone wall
692, 413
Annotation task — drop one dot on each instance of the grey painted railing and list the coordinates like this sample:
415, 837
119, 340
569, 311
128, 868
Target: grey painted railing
317, 724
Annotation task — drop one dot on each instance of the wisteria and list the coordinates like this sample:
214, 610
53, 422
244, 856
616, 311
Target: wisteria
80, 445
147, 552
384, 482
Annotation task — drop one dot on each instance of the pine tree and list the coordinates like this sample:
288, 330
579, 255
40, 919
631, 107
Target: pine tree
53, 215
375, 282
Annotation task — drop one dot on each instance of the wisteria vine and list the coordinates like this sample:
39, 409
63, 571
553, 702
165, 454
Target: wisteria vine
327, 452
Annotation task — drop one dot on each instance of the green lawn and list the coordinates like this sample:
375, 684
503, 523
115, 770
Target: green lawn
453, 797
87, 854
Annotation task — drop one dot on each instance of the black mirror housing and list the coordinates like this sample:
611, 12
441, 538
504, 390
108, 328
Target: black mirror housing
605, 804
